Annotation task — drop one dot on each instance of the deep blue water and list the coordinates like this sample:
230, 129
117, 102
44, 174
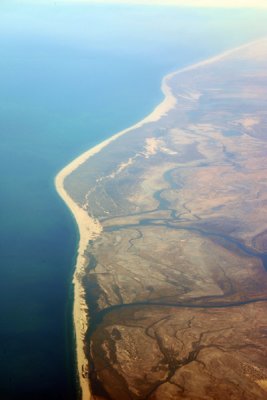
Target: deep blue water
71, 76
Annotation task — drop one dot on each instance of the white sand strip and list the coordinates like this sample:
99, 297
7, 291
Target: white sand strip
90, 228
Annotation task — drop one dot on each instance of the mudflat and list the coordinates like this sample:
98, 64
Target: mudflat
175, 281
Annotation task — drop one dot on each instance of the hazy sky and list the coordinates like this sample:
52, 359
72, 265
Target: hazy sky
192, 3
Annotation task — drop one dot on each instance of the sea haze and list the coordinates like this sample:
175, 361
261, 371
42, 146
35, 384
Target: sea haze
71, 76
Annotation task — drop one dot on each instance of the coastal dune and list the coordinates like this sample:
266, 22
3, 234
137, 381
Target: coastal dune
89, 228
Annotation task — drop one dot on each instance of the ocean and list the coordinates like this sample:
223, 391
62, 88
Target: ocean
71, 76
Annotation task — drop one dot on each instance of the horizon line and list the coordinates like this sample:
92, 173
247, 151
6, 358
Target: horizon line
245, 4
185, 4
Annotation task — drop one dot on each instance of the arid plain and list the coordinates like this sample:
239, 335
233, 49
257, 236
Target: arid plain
175, 283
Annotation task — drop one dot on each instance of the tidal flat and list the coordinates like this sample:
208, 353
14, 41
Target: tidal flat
176, 282
71, 76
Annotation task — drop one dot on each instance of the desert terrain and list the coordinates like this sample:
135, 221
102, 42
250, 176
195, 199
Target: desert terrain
176, 281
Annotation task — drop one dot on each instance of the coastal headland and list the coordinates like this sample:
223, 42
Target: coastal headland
170, 286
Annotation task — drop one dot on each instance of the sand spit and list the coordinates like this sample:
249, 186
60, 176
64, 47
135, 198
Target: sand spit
90, 228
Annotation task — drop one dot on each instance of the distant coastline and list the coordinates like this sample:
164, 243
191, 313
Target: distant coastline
89, 228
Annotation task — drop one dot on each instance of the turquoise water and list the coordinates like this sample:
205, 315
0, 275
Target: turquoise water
71, 76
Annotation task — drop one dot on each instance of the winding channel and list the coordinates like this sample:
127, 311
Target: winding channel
225, 241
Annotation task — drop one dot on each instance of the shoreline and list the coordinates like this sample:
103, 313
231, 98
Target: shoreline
89, 228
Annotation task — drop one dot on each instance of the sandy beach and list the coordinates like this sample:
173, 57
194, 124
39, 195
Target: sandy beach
90, 228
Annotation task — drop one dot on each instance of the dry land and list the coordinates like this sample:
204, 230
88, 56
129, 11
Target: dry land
175, 282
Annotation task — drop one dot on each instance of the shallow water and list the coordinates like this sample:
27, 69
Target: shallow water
70, 77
